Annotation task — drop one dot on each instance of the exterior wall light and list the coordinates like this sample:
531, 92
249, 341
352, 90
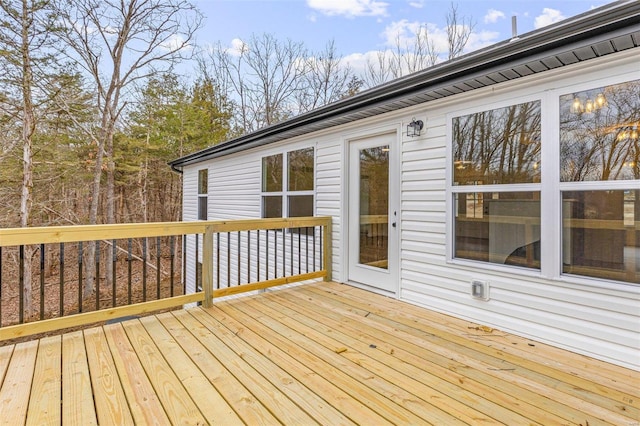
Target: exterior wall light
413, 128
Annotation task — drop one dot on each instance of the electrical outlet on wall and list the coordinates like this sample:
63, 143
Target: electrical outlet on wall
480, 289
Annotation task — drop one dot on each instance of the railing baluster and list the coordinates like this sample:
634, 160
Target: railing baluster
306, 251
239, 257
275, 257
158, 248
291, 250
267, 253
144, 269
41, 281
114, 262
97, 275
172, 255
184, 264
299, 249
228, 260
21, 281
61, 296
217, 260
80, 277
321, 249
129, 269
284, 252
198, 269
258, 257
249, 256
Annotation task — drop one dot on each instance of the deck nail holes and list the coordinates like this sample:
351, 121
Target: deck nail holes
372, 346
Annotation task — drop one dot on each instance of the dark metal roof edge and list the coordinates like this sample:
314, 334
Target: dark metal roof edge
588, 25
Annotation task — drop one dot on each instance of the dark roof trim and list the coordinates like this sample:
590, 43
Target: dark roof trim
583, 37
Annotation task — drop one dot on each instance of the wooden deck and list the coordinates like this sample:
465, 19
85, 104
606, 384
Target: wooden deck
324, 353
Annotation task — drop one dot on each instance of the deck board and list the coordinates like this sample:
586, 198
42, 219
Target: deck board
205, 396
44, 401
110, 400
576, 393
322, 353
437, 386
77, 403
16, 386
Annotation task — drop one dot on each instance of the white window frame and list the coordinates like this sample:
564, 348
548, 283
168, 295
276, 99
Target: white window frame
452, 189
286, 193
550, 187
202, 196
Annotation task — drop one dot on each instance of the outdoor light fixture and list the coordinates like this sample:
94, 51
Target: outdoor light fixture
413, 128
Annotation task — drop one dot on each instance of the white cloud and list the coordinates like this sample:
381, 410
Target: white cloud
418, 4
349, 8
492, 16
175, 42
237, 47
549, 16
404, 32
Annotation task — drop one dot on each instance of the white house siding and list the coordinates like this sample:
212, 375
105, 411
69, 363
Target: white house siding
328, 192
190, 213
597, 318
235, 193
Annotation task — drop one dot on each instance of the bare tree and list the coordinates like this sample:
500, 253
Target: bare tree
421, 52
25, 29
326, 80
261, 76
117, 43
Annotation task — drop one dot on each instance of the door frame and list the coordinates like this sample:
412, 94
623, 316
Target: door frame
395, 142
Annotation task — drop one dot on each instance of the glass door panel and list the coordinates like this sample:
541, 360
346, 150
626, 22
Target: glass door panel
374, 207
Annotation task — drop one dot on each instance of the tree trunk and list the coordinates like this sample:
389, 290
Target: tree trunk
28, 129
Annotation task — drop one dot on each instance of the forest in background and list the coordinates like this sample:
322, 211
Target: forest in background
92, 105
94, 101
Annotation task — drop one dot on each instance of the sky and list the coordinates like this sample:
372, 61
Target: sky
360, 28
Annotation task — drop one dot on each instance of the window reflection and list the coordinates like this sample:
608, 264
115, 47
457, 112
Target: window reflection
601, 234
272, 206
498, 227
374, 206
499, 146
272, 173
300, 169
599, 134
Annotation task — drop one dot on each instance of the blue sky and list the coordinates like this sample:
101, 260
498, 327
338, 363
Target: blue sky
362, 27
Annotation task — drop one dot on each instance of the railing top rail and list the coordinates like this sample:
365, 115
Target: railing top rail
76, 233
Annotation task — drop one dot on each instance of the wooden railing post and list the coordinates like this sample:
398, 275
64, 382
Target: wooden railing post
207, 266
327, 256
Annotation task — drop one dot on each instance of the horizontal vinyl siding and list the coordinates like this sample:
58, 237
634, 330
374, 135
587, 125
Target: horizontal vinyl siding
603, 322
328, 194
235, 187
190, 194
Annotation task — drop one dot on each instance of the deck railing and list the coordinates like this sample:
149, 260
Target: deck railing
140, 268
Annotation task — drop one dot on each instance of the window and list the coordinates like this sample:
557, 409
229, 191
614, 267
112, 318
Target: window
272, 175
203, 191
591, 187
599, 154
288, 183
496, 175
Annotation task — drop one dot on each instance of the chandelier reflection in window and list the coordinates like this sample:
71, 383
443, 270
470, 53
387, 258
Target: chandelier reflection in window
588, 105
628, 133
